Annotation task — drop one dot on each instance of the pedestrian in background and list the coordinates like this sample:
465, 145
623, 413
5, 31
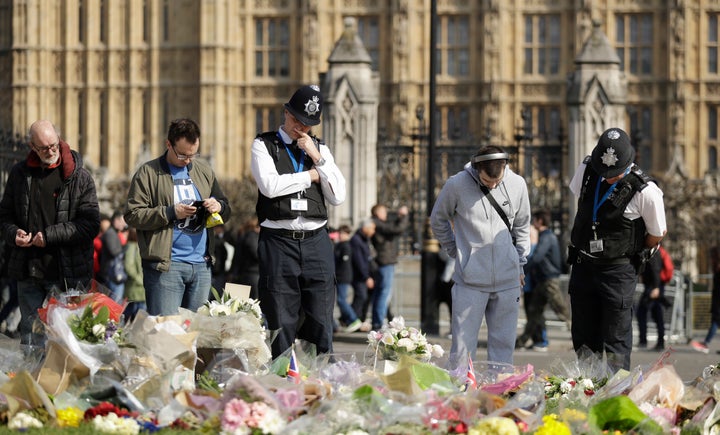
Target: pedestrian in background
168, 203
544, 268
482, 219
245, 263
385, 242
296, 177
651, 301
363, 270
49, 216
714, 304
134, 288
620, 217
112, 257
344, 279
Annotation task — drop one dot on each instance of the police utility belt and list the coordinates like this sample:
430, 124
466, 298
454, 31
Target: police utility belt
577, 256
293, 234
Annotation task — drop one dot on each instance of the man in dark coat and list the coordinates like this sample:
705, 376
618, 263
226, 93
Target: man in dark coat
49, 216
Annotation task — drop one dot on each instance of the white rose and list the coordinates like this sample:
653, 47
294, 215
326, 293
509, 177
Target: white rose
407, 344
99, 331
587, 384
565, 387
437, 351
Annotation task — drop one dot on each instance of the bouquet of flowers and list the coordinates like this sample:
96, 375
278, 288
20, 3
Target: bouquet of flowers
397, 339
94, 327
86, 324
231, 323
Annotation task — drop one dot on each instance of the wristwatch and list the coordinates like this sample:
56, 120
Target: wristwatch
320, 162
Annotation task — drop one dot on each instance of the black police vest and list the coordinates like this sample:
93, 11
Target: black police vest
621, 236
278, 208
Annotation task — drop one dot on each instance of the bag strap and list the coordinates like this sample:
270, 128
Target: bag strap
497, 208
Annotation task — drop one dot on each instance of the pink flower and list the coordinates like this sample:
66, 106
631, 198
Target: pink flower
235, 415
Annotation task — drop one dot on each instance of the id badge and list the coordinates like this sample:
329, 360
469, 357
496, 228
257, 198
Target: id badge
596, 246
298, 204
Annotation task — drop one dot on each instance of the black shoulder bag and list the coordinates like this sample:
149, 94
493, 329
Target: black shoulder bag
497, 208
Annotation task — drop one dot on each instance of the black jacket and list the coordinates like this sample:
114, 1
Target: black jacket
385, 238
77, 218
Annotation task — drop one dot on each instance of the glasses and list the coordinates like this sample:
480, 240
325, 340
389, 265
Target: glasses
52, 147
184, 157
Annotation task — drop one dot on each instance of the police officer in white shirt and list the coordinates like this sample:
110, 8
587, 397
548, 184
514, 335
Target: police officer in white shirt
620, 217
297, 177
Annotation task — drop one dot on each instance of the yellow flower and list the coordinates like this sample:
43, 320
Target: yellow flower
496, 426
572, 415
551, 426
69, 417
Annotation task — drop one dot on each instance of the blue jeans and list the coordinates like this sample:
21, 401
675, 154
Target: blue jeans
31, 296
184, 285
381, 295
347, 314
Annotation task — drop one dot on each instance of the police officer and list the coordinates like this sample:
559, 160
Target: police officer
620, 216
296, 176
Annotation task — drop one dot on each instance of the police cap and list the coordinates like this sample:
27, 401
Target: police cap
612, 154
306, 105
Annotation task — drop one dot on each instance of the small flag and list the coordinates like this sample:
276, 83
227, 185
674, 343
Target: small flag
471, 382
293, 373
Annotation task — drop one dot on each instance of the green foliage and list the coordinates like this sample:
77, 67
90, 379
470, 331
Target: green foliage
84, 326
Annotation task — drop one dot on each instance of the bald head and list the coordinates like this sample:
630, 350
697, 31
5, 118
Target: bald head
44, 139
43, 129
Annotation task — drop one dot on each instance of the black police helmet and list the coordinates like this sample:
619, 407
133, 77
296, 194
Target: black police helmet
306, 105
612, 154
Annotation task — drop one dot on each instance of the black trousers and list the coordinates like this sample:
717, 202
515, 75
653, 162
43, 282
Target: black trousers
297, 289
602, 310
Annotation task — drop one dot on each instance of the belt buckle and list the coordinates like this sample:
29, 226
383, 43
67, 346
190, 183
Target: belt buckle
298, 235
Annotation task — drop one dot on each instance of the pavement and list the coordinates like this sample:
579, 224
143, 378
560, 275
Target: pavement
688, 363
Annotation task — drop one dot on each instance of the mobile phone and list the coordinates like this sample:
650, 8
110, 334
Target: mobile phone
197, 204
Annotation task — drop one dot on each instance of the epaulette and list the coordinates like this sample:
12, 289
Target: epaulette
265, 135
642, 179
587, 160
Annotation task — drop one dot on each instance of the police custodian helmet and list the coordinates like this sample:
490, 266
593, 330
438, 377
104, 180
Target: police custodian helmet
612, 154
306, 105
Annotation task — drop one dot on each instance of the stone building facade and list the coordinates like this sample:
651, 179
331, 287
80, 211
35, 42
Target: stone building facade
113, 73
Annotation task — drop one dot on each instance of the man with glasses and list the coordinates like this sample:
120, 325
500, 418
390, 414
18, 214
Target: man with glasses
49, 216
296, 175
168, 203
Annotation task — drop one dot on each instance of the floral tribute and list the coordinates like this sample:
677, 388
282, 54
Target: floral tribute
132, 392
233, 323
397, 339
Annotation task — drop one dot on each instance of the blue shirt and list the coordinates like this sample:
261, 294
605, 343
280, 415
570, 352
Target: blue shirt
189, 233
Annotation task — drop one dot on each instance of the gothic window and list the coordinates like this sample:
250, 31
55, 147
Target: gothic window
368, 28
541, 127
712, 159
166, 20
454, 122
634, 42
146, 21
453, 45
81, 21
712, 42
82, 146
713, 123
272, 47
542, 44
103, 22
640, 122
268, 118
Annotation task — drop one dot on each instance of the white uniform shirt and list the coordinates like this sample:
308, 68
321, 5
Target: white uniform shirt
648, 204
272, 184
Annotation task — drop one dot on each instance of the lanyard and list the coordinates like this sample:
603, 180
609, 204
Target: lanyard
297, 165
596, 203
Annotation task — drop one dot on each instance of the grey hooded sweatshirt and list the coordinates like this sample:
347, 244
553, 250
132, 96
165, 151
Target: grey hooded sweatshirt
470, 230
